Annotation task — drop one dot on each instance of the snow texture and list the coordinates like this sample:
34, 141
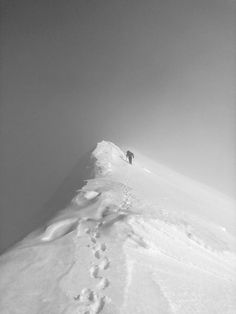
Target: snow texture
135, 239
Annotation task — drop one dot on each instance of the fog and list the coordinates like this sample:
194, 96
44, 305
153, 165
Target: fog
155, 75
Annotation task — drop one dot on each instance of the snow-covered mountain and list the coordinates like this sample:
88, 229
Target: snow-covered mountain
135, 239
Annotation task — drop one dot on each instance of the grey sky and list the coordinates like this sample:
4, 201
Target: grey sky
156, 75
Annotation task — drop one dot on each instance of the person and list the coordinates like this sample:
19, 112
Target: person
130, 156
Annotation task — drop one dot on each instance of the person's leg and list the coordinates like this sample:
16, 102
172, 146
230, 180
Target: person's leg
130, 160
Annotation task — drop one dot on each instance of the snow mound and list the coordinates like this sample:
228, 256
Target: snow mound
58, 229
106, 155
91, 195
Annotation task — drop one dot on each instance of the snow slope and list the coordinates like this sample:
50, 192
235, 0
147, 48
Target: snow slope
135, 239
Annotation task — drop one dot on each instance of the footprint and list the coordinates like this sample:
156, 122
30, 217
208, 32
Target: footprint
87, 230
97, 254
93, 240
99, 249
104, 264
99, 225
94, 271
79, 231
103, 247
103, 283
86, 296
98, 305
77, 298
92, 302
96, 234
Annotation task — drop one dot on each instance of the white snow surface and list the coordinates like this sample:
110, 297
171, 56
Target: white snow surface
91, 195
136, 239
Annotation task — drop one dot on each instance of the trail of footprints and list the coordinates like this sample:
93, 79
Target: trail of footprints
126, 204
93, 301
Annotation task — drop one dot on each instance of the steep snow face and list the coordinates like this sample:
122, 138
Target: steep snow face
134, 239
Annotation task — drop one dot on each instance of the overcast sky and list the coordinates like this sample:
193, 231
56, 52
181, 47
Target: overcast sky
156, 75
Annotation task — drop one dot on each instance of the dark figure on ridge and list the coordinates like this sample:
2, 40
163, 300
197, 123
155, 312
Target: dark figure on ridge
130, 156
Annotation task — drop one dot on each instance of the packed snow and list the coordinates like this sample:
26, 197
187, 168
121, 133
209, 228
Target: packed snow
135, 239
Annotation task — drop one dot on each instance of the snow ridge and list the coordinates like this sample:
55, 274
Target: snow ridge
114, 250
160, 235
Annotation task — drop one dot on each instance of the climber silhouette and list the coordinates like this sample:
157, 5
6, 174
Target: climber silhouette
130, 156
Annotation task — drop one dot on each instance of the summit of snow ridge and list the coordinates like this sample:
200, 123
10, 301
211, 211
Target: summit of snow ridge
106, 154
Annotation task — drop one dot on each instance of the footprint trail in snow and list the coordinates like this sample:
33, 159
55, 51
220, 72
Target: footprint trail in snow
92, 301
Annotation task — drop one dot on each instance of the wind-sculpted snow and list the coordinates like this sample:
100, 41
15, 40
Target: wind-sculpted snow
106, 155
131, 241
